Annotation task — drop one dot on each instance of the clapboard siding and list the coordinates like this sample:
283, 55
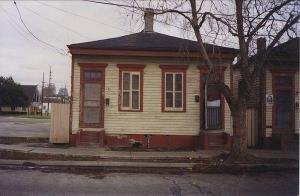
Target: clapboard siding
227, 117
151, 120
297, 111
268, 107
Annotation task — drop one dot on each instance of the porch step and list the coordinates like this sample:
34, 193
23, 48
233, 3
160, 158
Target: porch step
214, 140
89, 138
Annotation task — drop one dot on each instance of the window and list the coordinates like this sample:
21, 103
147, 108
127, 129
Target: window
173, 93
92, 86
131, 88
173, 88
283, 80
212, 104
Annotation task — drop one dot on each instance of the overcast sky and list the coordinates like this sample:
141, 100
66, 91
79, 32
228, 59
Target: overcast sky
57, 23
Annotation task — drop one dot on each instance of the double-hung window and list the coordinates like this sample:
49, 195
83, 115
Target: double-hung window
131, 87
173, 88
174, 91
130, 90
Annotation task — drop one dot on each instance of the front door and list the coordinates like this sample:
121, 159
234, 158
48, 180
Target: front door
92, 97
283, 108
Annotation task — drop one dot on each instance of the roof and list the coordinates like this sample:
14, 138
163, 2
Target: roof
284, 55
289, 49
30, 91
150, 41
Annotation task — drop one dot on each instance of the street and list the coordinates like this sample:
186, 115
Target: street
34, 182
11, 126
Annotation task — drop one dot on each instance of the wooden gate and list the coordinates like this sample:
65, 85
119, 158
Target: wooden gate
252, 127
59, 127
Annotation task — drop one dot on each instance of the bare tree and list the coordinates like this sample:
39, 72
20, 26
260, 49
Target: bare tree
244, 20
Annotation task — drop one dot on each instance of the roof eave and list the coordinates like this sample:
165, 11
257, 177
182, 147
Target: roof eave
84, 51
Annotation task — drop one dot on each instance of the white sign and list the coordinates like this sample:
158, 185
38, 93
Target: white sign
269, 99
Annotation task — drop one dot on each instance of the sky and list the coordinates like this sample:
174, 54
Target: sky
58, 23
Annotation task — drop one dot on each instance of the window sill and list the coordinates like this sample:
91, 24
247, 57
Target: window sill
174, 111
81, 125
130, 110
213, 130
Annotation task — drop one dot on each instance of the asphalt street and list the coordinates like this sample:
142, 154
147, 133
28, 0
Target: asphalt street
24, 127
35, 182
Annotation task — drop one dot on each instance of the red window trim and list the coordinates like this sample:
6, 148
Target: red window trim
289, 73
133, 68
204, 71
173, 69
92, 67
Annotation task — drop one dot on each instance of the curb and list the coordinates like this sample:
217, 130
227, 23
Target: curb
97, 163
195, 167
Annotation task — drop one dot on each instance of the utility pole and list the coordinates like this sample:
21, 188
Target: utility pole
42, 100
50, 77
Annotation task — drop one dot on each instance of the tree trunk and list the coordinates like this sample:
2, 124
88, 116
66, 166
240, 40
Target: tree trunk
239, 146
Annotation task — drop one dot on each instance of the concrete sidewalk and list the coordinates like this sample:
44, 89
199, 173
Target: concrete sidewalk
103, 153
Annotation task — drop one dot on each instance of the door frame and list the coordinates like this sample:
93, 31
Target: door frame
289, 73
92, 67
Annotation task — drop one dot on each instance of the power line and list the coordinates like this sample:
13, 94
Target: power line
59, 50
10, 21
84, 17
56, 23
21, 30
162, 22
184, 12
124, 7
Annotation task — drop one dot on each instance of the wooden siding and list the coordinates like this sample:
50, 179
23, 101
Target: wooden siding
151, 120
297, 97
227, 117
268, 107
252, 127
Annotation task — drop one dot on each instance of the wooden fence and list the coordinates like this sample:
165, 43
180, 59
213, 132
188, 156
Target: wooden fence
59, 127
252, 127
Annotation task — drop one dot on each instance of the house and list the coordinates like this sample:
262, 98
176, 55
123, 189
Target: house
47, 101
148, 89
273, 115
32, 94
279, 97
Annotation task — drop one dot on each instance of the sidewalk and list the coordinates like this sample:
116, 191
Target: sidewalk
103, 153
43, 155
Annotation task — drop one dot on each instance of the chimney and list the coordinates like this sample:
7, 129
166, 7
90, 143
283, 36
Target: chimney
261, 44
148, 17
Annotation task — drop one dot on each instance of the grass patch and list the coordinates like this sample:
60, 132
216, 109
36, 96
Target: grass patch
33, 116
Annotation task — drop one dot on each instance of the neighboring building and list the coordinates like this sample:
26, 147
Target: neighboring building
148, 89
32, 93
50, 91
273, 115
46, 108
280, 97
63, 94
